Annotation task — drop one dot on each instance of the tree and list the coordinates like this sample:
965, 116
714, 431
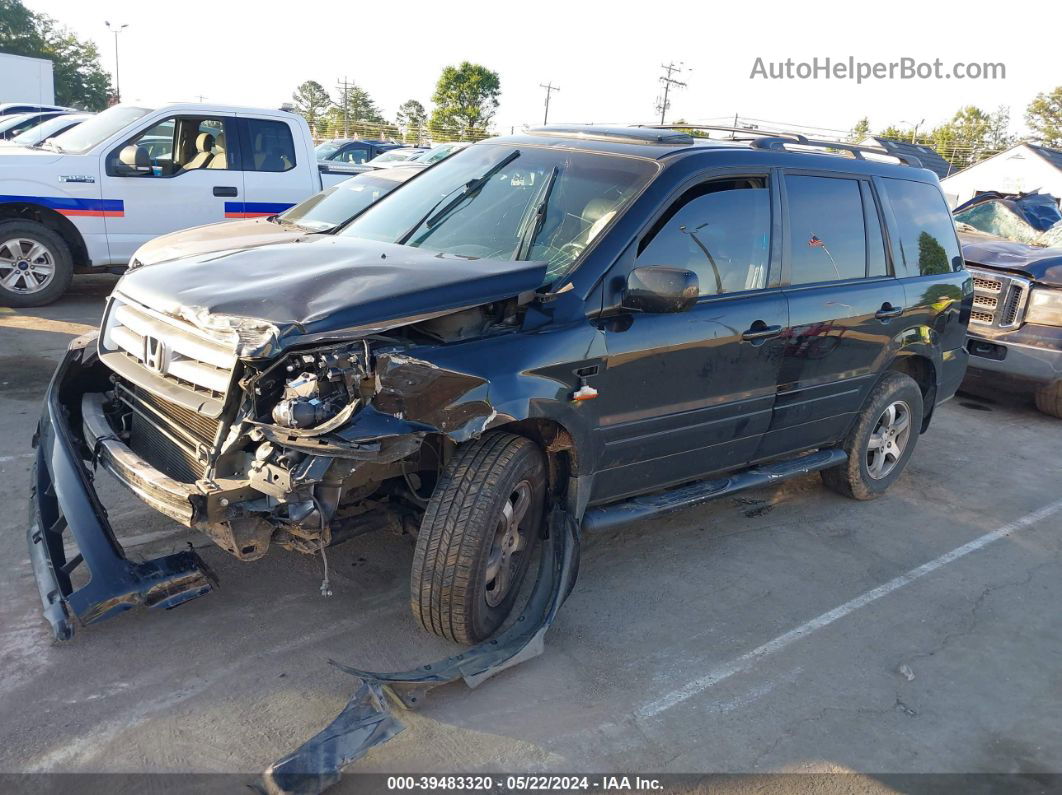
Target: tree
466, 98
1044, 117
80, 80
932, 258
312, 102
410, 118
353, 110
860, 131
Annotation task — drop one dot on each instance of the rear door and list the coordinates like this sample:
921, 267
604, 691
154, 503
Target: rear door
687, 394
274, 175
189, 178
845, 308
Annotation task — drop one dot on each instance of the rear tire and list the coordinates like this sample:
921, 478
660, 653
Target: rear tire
882, 440
1049, 399
477, 537
35, 264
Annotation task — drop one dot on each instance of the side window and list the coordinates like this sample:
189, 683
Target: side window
827, 232
354, 154
720, 230
157, 142
271, 146
927, 233
177, 145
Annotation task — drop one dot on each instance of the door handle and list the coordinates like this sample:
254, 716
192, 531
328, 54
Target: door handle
220, 190
888, 310
761, 331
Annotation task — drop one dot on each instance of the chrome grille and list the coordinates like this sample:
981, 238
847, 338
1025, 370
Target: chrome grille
171, 438
999, 299
169, 349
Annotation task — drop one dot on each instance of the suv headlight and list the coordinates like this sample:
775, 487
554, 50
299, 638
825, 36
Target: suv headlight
1045, 307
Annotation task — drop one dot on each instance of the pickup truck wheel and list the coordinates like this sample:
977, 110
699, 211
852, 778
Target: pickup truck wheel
35, 264
1049, 399
882, 440
477, 537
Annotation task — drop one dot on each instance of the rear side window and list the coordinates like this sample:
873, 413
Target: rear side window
827, 230
927, 233
720, 230
270, 146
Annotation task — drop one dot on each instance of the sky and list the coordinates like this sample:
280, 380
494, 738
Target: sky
605, 56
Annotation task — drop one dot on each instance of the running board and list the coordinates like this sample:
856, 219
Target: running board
650, 506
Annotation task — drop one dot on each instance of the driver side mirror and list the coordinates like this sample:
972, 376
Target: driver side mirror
134, 159
660, 290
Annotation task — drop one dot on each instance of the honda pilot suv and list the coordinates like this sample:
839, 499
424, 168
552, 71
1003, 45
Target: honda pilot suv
545, 333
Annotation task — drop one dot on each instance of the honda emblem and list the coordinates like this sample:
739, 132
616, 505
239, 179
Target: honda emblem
155, 354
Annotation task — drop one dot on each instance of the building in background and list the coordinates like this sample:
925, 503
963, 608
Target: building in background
24, 79
1023, 168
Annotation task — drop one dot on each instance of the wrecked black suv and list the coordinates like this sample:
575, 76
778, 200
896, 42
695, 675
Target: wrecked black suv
549, 332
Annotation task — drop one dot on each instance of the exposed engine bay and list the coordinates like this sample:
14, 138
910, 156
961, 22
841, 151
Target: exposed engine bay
312, 447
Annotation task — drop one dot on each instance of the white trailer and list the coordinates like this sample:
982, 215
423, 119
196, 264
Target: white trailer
24, 79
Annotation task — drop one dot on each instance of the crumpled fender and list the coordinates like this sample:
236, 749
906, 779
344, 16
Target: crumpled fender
366, 721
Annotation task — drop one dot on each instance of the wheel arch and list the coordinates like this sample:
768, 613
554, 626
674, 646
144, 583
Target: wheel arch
558, 445
58, 223
923, 371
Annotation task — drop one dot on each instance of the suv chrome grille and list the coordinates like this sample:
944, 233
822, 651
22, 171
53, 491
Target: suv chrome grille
171, 438
999, 299
168, 351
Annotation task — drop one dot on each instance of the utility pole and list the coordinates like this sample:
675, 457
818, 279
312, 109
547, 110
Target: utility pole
668, 82
345, 88
116, 29
550, 88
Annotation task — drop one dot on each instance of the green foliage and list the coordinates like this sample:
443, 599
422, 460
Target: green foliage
932, 258
410, 119
80, 80
312, 102
466, 98
1044, 117
971, 135
358, 105
860, 131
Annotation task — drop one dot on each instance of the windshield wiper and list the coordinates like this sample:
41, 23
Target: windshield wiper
532, 224
436, 215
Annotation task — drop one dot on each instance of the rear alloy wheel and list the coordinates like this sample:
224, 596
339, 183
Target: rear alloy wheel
35, 266
477, 537
882, 440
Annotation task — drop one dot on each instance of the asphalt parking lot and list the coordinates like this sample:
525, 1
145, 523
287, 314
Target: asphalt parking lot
787, 629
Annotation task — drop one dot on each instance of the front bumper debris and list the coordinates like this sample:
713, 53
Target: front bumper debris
366, 720
63, 504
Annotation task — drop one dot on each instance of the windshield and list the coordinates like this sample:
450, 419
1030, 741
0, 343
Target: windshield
394, 154
10, 122
338, 204
499, 202
437, 153
34, 135
97, 129
326, 149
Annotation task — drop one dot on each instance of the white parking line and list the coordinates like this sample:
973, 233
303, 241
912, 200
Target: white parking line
749, 659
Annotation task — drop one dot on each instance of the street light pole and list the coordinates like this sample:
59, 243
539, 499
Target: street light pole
116, 29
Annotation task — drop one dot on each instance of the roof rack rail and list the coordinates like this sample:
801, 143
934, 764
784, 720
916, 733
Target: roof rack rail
761, 139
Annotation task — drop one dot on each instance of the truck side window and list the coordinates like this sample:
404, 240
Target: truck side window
927, 233
271, 146
827, 234
720, 230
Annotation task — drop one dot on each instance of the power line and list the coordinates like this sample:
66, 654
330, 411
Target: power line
664, 104
550, 88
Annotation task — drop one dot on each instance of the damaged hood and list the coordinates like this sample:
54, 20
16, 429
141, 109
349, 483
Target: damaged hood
214, 238
1039, 264
324, 285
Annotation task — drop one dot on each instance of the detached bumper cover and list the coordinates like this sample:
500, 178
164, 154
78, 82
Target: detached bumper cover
366, 721
63, 506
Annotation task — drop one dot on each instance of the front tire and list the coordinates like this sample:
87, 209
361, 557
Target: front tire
1049, 399
35, 264
882, 440
477, 537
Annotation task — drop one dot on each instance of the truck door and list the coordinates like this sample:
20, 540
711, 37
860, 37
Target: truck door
178, 172
687, 394
274, 176
846, 307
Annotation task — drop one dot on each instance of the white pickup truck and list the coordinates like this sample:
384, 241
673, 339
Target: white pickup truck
87, 199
